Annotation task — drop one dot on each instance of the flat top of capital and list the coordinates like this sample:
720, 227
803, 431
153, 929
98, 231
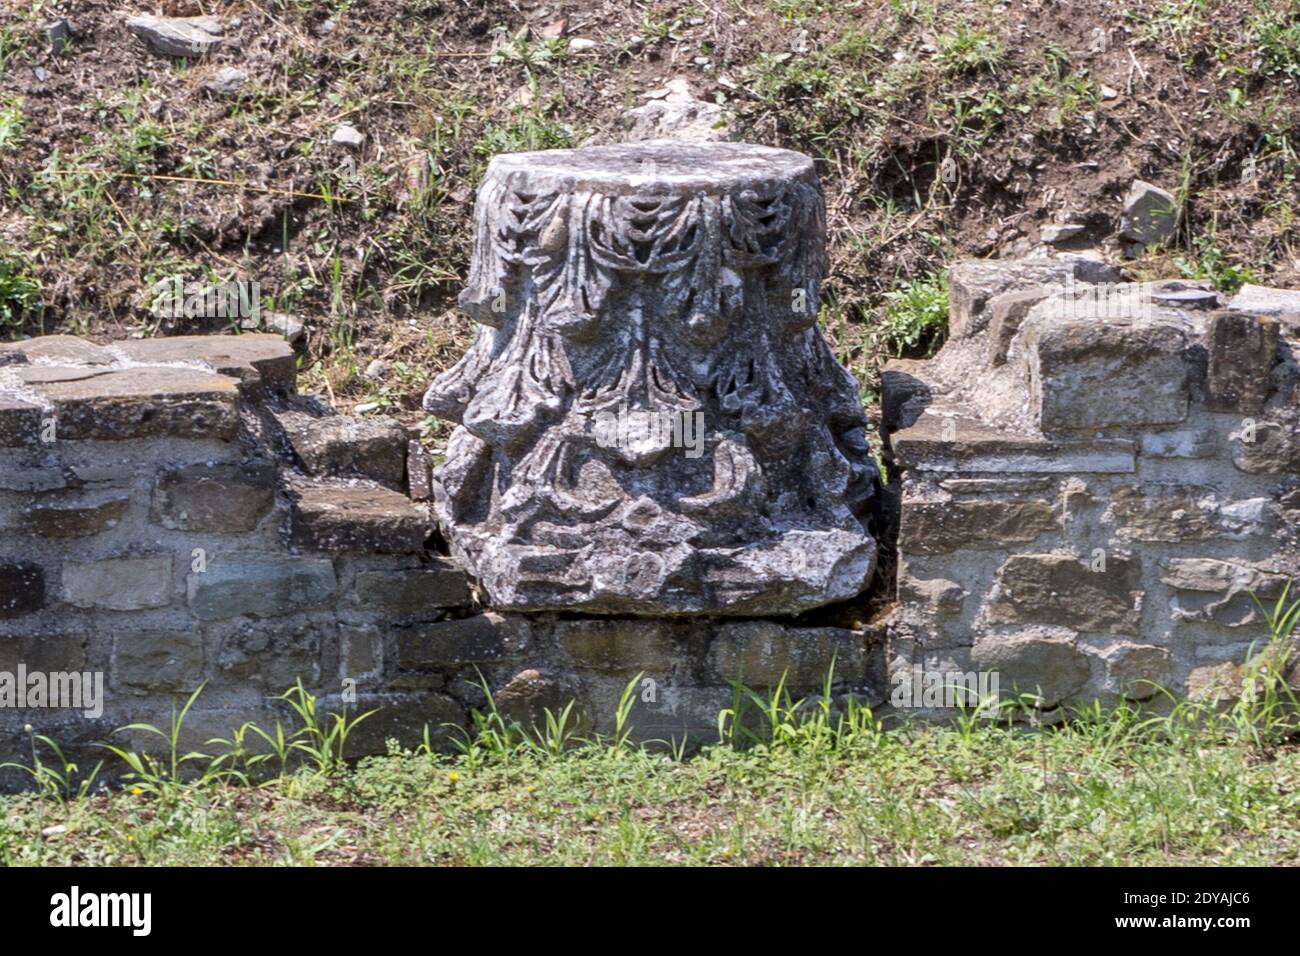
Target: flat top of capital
661, 165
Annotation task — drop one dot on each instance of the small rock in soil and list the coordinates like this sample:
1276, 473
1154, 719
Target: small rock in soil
1060, 233
177, 36
1150, 213
59, 33
376, 370
227, 81
348, 136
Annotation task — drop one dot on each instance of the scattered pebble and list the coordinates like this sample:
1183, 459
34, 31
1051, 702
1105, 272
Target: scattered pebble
227, 81
59, 33
1060, 233
327, 27
581, 44
55, 830
348, 136
177, 36
376, 370
40, 74
1107, 93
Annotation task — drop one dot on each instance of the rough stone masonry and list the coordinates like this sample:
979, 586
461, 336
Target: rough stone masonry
1097, 477
1095, 480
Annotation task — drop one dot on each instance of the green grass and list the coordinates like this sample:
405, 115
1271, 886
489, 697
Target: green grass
916, 315
1115, 791
20, 294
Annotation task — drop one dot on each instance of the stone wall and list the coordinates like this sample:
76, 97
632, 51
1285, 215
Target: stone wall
172, 513
1094, 480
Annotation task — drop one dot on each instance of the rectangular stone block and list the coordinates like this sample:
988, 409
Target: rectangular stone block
22, 588
348, 517
119, 584
347, 446
412, 591
170, 661
931, 445
939, 527
1036, 660
275, 655
1282, 304
759, 653
1066, 591
1242, 349
973, 283
254, 359
480, 639
71, 517
1089, 374
361, 653
265, 585
1180, 443
118, 404
1172, 512
45, 652
622, 645
226, 499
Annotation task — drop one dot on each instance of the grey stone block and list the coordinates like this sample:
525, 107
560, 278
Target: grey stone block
261, 584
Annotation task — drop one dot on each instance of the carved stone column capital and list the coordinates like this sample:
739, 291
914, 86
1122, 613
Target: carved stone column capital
650, 421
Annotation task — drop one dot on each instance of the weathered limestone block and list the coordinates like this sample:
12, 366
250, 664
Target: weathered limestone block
1064, 590
273, 657
1242, 350
336, 516
761, 653
1223, 592
1038, 660
1180, 443
73, 517
343, 446
218, 498
938, 596
973, 283
1087, 374
43, 652
531, 693
669, 285
116, 404
1270, 445
954, 443
20, 423
623, 646
361, 652
1170, 513
414, 590
265, 585
157, 660
119, 584
1283, 304
257, 359
177, 36
1135, 671
480, 639
1150, 213
1008, 312
938, 527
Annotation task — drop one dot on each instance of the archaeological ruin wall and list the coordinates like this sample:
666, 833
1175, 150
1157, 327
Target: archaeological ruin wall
658, 471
